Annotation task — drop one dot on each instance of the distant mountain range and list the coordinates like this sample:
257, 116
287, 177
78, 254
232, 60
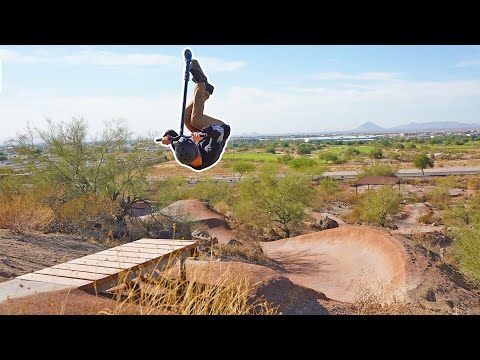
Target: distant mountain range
370, 127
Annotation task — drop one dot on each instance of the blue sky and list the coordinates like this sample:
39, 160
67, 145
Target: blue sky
258, 88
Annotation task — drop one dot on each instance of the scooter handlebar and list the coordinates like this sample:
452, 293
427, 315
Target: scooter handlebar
188, 55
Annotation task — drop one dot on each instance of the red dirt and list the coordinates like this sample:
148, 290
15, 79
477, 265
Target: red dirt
63, 302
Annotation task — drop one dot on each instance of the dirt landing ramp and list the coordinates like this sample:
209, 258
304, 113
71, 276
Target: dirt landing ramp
339, 262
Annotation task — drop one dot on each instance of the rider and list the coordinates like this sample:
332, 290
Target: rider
209, 135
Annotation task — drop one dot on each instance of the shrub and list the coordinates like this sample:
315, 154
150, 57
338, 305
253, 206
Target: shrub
24, 212
377, 170
329, 157
466, 249
270, 149
328, 185
284, 159
85, 212
376, 153
379, 206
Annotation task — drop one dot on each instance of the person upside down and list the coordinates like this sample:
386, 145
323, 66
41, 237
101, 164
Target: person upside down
209, 135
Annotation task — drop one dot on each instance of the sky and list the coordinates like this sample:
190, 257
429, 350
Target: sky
264, 89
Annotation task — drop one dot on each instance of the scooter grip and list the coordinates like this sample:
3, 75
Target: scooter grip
188, 55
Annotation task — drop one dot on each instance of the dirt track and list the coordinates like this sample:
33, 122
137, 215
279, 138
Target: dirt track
338, 261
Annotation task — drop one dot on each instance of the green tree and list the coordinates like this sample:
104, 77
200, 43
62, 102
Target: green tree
270, 200
379, 206
329, 157
83, 166
423, 161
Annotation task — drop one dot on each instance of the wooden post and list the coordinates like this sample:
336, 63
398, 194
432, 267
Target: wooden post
182, 271
174, 226
211, 247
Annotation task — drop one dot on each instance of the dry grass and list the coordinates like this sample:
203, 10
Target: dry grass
247, 251
200, 294
376, 297
23, 212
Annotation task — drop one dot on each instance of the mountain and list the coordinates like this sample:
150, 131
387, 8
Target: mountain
372, 128
369, 127
434, 126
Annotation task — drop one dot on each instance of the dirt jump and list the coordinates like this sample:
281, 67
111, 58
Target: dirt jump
198, 212
338, 261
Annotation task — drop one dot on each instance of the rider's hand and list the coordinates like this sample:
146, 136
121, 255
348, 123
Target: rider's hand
197, 136
166, 140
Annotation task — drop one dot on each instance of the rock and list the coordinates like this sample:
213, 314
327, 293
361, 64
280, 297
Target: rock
235, 242
430, 295
391, 226
201, 234
325, 223
272, 235
164, 234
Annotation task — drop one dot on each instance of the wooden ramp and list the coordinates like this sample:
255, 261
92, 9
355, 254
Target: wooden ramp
103, 270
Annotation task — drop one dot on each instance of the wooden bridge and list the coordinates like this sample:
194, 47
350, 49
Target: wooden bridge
103, 270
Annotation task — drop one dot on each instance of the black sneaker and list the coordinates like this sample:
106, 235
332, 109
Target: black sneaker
209, 88
197, 73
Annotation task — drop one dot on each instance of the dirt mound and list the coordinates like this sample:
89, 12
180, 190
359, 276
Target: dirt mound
291, 298
198, 212
191, 210
338, 261
21, 254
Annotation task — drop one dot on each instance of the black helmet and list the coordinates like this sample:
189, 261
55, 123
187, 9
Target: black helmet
186, 150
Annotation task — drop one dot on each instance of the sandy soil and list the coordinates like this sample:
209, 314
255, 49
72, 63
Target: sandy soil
21, 254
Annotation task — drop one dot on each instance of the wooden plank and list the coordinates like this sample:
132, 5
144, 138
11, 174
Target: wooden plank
165, 242
134, 260
150, 246
19, 288
137, 250
146, 268
87, 268
54, 279
71, 274
120, 265
140, 255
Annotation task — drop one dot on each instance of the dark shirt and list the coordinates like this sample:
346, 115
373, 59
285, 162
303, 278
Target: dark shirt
212, 145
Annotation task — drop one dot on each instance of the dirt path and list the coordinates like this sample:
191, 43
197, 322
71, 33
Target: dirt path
410, 224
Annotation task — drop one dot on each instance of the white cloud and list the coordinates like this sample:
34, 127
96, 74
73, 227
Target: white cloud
90, 56
218, 65
262, 110
368, 76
